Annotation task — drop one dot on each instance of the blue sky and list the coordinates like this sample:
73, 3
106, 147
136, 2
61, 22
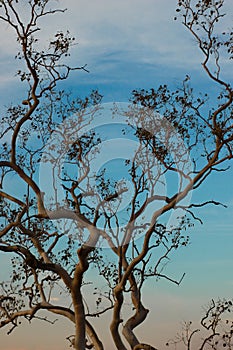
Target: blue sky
130, 44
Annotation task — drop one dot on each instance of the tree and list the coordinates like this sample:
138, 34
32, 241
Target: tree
55, 224
216, 327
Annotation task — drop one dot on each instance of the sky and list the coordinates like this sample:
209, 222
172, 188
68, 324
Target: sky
130, 44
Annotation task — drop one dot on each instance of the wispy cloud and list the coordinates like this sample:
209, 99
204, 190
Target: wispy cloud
55, 299
121, 41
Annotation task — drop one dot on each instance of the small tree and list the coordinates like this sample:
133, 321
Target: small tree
66, 207
216, 328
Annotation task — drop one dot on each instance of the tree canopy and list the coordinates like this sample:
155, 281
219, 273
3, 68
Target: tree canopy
75, 204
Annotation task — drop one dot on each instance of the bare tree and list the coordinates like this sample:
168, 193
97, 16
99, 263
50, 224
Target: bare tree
55, 224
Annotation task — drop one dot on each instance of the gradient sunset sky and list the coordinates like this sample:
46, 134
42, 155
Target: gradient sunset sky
130, 44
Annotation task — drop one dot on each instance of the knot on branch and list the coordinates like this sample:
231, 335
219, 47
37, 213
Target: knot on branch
31, 262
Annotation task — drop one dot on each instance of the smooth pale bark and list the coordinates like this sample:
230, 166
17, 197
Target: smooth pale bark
116, 320
80, 332
140, 311
79, 310
133, 322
